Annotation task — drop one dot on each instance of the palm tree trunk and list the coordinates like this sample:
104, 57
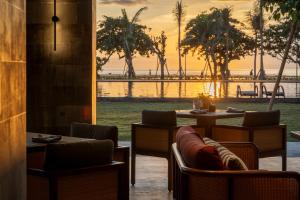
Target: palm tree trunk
215, 65
208, 62
179, 50
225, 76
131, 73
162, 68
286, 53
255, 57
262, 74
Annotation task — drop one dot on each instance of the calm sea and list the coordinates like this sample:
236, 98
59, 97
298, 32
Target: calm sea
159, 89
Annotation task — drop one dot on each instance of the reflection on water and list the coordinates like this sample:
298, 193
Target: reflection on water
160, 89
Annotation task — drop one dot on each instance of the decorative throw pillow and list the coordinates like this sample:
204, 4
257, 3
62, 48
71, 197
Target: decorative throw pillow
195, 153
230, 160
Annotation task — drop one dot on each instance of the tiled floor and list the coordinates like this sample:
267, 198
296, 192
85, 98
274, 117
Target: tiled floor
151, 173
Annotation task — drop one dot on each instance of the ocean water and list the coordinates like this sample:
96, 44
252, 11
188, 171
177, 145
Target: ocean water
175, 89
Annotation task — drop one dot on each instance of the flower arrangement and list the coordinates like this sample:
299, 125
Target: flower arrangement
202, 101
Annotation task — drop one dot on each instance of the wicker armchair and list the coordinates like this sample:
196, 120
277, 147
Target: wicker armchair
102, 132
194, 184
154, 137
260, 128
82, 170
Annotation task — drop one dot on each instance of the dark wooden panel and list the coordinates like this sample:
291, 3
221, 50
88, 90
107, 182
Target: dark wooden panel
60, 84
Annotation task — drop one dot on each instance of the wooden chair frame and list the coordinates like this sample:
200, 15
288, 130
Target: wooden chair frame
250, 132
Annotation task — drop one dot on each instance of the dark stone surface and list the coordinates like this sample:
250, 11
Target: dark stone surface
12, 100
61, 83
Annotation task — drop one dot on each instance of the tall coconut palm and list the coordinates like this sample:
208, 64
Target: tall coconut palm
124, 37
129, 36
253, 18
179, 14
159, 48
284, 9
262, 73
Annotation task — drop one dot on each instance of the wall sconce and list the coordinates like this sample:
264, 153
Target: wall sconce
54, 19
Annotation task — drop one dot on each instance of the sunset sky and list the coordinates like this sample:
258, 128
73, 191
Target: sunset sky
159, 17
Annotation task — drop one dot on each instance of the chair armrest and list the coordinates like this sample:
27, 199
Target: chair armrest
67, 172
153, 126
223, 133
282, 126
247, 151
230, 127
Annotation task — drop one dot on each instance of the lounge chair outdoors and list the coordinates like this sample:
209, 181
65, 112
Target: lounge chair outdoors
82, 170
280, 92
194, 184
295, 134
154, 137
250, 93
262, 129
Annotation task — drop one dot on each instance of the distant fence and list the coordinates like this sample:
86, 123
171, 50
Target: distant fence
218, 100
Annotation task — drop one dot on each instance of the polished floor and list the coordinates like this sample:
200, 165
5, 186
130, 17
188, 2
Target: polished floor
151, 174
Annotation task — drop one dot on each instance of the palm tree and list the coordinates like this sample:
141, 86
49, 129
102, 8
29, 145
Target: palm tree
262, 73
284, 9
159, 48
123, 37
129, 36
214, 35
179, 14
253, 18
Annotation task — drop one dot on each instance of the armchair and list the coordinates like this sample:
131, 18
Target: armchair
102, 132
262, 129
194, 184
154, 137
82, 170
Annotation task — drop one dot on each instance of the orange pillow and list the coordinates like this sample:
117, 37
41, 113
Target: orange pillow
195, 153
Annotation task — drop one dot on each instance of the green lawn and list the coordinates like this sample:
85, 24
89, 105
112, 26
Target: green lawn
122, 114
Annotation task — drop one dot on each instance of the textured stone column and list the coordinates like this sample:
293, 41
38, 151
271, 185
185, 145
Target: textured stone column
12, 100
61, 84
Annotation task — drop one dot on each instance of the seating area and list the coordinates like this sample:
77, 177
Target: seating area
91, 162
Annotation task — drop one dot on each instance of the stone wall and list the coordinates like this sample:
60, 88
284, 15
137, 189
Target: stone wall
60, 84
12, 100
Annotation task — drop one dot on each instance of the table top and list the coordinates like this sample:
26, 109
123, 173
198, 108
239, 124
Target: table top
219, 114
33, 146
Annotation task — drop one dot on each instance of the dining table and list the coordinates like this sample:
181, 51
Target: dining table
208, 119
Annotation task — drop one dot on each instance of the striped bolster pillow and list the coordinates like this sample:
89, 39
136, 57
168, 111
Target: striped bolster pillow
229, 159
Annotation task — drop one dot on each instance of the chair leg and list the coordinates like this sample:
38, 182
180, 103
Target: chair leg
284, 161
170, 176
133, 157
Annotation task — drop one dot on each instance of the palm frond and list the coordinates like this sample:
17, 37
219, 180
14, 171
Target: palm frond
137, 14
125, 16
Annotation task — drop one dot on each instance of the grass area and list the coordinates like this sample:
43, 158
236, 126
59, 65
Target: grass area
122, 114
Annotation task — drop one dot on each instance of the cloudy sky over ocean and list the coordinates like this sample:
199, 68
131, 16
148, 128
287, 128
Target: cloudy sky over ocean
159, 18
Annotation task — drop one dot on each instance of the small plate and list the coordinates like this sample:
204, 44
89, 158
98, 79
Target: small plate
47, 139
199, 111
